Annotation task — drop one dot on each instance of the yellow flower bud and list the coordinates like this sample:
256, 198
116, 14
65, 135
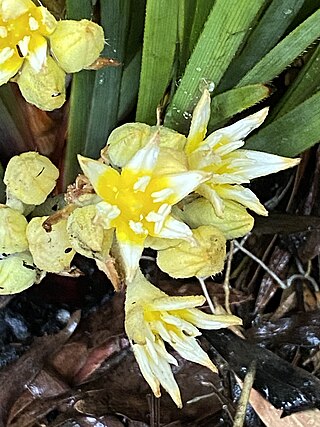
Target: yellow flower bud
76, 44
203, 258
236, 222
87, 237
127, 139
30, 177
17, 273
46, 88
52, 250
12, 231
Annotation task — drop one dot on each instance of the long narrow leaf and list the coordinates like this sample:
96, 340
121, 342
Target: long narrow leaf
285, 52
95, 94
269, 30
224, 32
292, 133
305, 85
225, 105
160, 37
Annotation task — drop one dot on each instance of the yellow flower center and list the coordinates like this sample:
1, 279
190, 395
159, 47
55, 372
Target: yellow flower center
144, 202
20, 34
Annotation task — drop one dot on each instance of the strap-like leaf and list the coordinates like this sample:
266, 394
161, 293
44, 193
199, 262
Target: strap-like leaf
159, 47
269, 30
95, 94
292, 133
305, 85
227, 104
285, 52
224, 32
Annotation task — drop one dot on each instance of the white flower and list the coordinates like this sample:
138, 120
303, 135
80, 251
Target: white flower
137, 202
153, 318
230, 166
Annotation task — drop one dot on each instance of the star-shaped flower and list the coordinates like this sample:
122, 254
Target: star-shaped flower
137, 201
153, 318
24, 29
29, 34
220, 154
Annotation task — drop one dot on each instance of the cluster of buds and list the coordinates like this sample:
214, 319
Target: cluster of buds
36, 51
152, 187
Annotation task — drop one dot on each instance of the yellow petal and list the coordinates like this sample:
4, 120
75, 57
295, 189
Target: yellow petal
10, 64
52, 250
200, 119
45, 89
30, 177
10, 9
202, 259
76, 44
37, 52
17, 273
12, 231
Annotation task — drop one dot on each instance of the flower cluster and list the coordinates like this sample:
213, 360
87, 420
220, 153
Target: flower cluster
152, 187
39, 51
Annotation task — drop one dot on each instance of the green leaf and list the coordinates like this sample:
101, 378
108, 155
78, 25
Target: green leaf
227, 104
292, 133
159, 47
269, 30
129, 86
305, 85
223, 34
95, 94
284, 52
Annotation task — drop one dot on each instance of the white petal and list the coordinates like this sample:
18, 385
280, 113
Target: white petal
146, 158
93, 169
160, 196
38, 56
24, 45
238, 131
184, 183
10, 9
106, 213
177, 303
152, 351
242, 195
162, 351
160, 329
141, 183
210, 321
5, 54
173, 229
189, 349
187, 327
208, 191
257, 163
200, 119
159, 217
130, 254
164, 374
229, 147
143, 362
